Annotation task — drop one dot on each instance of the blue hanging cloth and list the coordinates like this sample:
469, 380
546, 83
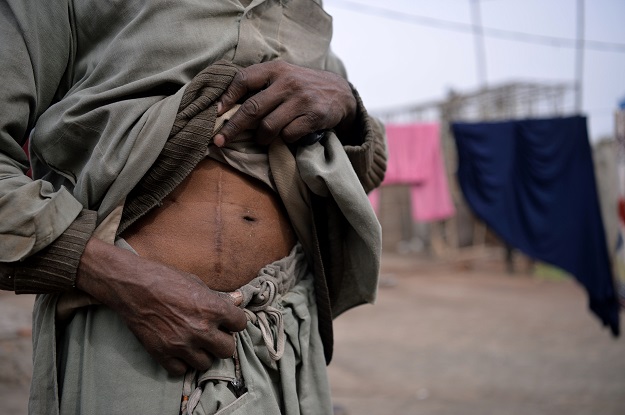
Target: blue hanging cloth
532, 181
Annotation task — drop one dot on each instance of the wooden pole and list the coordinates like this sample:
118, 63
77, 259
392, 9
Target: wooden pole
579, 57
480, 48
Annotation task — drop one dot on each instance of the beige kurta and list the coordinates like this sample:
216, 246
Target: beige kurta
104, 370
97, 85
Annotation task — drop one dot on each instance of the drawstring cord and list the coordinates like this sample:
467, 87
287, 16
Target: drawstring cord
262, 320
258, 296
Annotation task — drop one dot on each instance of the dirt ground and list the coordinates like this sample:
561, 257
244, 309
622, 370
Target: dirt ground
441, 340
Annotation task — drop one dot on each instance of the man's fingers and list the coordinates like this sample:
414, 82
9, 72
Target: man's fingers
174, 366
248, 80
286, 101
220, 343
198, 359
236, 90
247, 117
230, 317
272, 124
299, 127
235, 320
235, 297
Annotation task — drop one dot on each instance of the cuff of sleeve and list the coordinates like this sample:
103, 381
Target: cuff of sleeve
369, 157
54, 268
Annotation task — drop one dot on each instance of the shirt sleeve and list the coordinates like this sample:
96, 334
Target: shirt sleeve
35, 51
369, 157
367, 143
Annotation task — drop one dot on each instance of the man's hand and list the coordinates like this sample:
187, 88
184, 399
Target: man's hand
287, 101
179, 320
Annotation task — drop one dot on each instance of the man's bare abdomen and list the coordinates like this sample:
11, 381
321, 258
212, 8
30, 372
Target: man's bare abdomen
218, 224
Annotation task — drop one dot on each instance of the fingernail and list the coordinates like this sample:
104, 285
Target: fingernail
237, 297
219, 140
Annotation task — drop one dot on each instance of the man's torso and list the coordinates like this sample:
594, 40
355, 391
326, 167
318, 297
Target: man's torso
218, 224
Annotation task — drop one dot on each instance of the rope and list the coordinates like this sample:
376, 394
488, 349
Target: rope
262, 320
258, 296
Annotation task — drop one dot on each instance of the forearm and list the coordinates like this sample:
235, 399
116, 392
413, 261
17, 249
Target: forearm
119, 278
177, 318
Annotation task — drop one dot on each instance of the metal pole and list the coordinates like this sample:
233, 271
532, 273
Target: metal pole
579, 57
480, 48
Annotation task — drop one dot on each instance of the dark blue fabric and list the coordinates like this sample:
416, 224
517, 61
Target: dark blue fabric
533, 183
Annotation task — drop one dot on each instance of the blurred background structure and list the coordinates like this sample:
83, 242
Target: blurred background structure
417, 61
422, 63
512, 100
400, 53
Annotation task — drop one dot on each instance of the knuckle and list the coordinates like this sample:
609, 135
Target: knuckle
279, 65
267, 128
292, 83
228, 95
313, 100
312, 120
237, 87
177, 347
289, 135
250, 108
229, 128
240, 79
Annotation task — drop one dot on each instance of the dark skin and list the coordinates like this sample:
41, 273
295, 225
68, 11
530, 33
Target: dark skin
288, 101
178, 319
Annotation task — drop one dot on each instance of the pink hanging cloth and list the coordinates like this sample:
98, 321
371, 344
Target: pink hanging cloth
415, 158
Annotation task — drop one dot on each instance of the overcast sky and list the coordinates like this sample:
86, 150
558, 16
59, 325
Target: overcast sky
394, 62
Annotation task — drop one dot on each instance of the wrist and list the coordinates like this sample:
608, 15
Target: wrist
348, 130
97, 268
